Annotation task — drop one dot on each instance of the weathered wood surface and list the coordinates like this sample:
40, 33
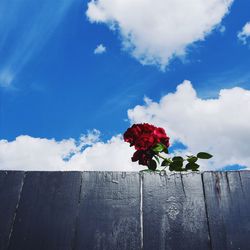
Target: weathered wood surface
114, 210
10, 189
47, 211
109, 216
228, 206
174, 214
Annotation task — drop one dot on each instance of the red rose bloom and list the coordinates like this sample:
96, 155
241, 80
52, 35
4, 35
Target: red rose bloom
132, 134
142, 156
165, 141
145, 141
160, 132
144, 136
150, 141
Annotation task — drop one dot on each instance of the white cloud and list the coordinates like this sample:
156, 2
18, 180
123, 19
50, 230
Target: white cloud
244, 34
220, 126
156, 31
89, 153
100, 49
28, 153
115, 155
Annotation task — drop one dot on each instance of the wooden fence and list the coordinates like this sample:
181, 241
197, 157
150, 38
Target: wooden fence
124, 210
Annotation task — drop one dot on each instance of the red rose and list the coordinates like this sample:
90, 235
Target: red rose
145, 136
147, 128
150, 141
132, 134
145, 141
160, 132
165, 141
142, 156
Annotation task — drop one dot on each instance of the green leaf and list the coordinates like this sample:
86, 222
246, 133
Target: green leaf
171, 168
165, 163
159, 147
177, 158
152, 165
176, 165
204, 155
192, 159
192, 166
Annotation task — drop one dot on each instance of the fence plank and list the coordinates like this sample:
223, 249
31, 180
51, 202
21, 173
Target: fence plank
174, 211
174, 214
47, 212
10, 189
109, 216
227, 196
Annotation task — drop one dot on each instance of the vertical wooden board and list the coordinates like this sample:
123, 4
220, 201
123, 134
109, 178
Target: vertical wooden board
109, 216
228, 210
46, 216
239, 216
174, 213
216, 195
10, 188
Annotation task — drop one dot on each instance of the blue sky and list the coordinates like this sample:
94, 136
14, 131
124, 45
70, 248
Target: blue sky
53, 85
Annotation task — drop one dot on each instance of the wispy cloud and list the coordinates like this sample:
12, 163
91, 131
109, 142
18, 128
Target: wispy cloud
6, 77
222, 28
25, 28
100, 49
244, 34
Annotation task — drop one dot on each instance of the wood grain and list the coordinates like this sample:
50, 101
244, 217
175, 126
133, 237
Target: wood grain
47, 211
109, 216
227, 197
174, 214
10, 188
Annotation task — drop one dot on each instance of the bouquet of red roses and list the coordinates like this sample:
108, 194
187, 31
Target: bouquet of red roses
149, 141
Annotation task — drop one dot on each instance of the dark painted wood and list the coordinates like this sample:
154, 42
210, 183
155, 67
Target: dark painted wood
46, 216
10, 188
228, 205
174, 214
109, 216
